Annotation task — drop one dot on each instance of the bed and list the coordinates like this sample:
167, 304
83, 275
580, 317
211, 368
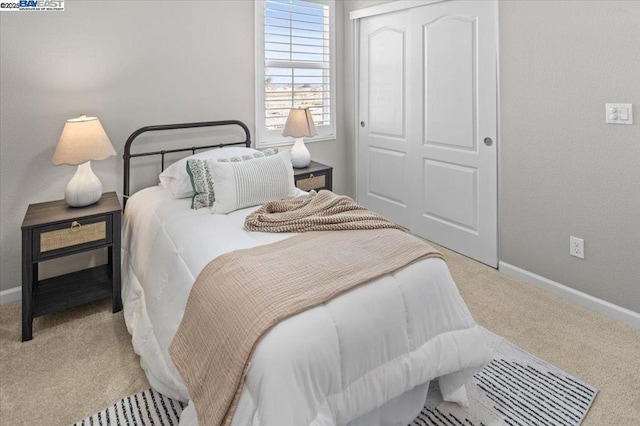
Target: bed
363, 358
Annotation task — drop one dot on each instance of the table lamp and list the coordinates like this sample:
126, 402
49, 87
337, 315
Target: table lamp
299, 124
83, 139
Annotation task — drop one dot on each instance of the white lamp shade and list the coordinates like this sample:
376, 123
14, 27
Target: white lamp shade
299, 124
83, 139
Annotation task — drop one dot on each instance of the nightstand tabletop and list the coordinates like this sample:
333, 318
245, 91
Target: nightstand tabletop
51, 212
313, 167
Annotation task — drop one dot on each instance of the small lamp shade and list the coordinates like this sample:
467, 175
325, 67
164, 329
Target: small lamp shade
299, 124
83, 139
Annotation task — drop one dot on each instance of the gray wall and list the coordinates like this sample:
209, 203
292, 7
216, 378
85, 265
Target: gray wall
131, 64
563, 170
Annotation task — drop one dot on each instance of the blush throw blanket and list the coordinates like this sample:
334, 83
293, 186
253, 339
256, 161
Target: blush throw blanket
241, 295
323, 211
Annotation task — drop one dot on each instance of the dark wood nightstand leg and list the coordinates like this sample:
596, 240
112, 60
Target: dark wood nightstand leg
27, 287
114, 258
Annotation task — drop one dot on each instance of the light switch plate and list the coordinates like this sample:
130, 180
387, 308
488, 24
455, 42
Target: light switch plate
619, 113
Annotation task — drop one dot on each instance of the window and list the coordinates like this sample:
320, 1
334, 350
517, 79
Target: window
295, 66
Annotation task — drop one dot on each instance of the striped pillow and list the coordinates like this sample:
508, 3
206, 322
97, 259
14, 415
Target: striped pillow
199, 172
250, 183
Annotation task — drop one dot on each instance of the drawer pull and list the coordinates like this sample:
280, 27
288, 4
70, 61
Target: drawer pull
75, 226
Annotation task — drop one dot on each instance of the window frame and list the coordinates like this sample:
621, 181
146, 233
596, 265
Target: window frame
270, 138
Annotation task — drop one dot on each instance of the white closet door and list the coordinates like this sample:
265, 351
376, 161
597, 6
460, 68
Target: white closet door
384, 133
454, 158
427, 157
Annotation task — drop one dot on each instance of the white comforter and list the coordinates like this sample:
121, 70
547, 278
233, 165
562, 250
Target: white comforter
372, 350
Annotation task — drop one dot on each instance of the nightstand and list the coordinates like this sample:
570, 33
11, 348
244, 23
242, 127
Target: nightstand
316, 176
52, 230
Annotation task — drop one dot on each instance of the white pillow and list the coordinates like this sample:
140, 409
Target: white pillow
176, 179
252, 182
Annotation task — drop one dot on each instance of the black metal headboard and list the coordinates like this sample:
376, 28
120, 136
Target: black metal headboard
127, 156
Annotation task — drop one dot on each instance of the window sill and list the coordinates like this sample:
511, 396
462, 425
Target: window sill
289, 142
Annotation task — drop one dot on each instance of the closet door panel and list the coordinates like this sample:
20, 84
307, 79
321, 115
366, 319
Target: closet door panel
383, 179
383, 137
451, 190
455, 204
386, 83
450, 110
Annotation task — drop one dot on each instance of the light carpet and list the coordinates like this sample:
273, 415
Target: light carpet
515, 388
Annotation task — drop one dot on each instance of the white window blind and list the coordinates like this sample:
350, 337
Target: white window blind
295, 67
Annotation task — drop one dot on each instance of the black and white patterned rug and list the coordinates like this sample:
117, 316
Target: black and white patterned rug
515, 389
145, 408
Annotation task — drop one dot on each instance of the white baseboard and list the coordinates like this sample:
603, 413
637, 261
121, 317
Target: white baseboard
10, 295
602, 306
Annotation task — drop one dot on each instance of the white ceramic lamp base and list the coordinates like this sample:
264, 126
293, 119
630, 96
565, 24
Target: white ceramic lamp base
300, 156
84, 188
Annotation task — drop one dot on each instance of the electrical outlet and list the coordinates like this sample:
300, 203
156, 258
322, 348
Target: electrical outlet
576, 247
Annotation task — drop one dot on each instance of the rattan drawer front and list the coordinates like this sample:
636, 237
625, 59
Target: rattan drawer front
71, 236
312, 182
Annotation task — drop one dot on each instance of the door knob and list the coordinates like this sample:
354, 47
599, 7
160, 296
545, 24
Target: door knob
488, 141
362, 124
